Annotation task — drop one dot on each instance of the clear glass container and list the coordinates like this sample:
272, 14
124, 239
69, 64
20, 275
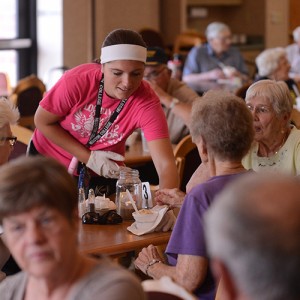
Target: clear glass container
81, 203
128, 180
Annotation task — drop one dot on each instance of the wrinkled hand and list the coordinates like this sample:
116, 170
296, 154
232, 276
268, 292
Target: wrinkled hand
101, 162
172, 197
167, 223
145, 256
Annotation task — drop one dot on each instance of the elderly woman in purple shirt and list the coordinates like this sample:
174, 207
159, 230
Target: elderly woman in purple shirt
222, 128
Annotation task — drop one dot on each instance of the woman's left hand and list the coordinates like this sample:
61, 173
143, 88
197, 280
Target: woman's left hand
171, 197
146, 256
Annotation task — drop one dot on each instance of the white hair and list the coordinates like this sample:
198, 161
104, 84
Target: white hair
9, 114
214, 29
268, 60
296, 34
244, 229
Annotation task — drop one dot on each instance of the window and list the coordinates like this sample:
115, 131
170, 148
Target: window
18, 53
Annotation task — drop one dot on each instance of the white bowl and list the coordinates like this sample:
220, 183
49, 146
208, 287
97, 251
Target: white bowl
145, 219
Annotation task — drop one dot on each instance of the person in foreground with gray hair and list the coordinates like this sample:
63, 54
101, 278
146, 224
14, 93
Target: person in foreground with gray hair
252, 234
216, 59
39, 215
221, 127
293, 55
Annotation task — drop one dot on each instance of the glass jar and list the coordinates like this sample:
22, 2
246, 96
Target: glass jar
128, 180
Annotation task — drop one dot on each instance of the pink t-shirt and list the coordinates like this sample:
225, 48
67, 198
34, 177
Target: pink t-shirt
74, 99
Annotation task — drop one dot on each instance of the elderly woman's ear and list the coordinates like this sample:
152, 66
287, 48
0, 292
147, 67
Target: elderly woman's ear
202, 149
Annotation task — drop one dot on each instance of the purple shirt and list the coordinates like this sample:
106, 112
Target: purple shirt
188, 234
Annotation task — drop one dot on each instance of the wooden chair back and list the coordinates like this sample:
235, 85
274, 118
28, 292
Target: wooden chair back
26, 96
185, 41
187, 159
165, 289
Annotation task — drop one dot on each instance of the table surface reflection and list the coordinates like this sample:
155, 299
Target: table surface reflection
116, 239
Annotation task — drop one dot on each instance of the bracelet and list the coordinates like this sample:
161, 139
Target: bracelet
173, 103
151, 263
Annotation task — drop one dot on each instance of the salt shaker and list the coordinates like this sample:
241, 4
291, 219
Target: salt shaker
128, 180
91, 217
81, 202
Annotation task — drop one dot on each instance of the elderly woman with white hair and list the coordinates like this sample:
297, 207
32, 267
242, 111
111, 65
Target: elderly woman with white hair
293, 55
209, 61
277, 142
8, 115
273, 64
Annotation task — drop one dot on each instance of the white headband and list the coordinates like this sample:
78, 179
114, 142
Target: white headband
123, 52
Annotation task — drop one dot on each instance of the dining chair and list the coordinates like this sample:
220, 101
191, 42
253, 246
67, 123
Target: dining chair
187, 160
165, 289
26, 96
185, 41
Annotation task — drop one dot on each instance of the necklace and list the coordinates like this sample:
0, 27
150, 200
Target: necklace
263, 152
282, 143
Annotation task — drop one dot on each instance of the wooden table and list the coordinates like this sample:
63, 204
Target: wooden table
116, 239
135, 155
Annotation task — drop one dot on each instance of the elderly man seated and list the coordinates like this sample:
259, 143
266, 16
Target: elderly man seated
215, 60
175, 96
252, 234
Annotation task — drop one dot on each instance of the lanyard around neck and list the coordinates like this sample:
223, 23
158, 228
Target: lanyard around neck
94, 137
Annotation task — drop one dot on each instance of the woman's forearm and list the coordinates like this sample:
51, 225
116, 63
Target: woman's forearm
49, 126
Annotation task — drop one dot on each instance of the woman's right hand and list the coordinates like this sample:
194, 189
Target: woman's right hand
102, 163
171, 197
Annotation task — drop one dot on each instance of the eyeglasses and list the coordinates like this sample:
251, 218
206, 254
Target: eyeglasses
12, 139
154, 74
225, 38
261, 109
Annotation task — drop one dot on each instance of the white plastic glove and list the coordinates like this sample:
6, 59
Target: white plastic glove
167, 223
101, 162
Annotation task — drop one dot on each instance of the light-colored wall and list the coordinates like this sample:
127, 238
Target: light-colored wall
129, 14
77, 32
277, 23
83, 37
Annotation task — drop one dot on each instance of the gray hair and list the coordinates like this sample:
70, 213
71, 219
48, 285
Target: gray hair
214, 29
9, 114
277, 92
268, 60
296, 34
224, 122
27, 182
254, 230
